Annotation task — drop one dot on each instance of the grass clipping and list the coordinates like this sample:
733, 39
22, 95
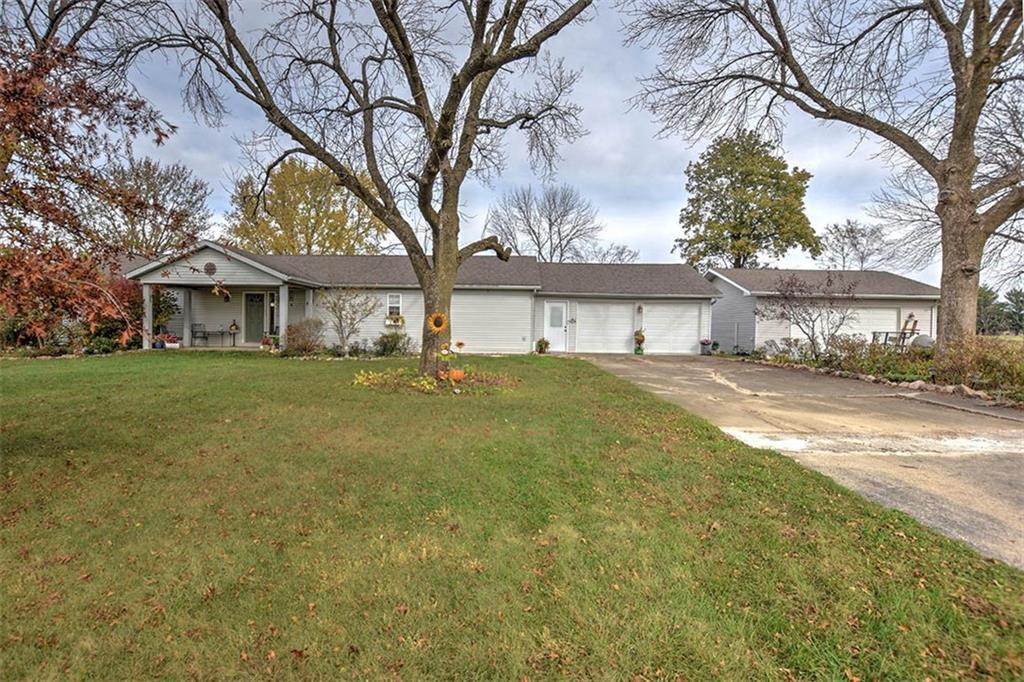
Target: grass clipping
405, 380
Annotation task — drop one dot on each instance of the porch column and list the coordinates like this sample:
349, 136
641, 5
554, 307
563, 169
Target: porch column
186, 311
309, 304
147, 316
282, 313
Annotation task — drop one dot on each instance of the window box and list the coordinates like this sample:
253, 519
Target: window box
394, 317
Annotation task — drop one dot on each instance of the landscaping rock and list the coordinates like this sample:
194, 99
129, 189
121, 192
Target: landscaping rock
969, 392
918, 385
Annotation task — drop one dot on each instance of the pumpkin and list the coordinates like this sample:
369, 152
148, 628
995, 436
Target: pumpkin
456, 375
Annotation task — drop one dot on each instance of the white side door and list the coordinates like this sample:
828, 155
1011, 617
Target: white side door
556, 327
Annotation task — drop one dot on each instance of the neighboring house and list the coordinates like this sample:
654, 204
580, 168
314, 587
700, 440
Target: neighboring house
497, 306
881, 301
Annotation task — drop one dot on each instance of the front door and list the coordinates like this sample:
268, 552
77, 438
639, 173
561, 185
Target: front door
556, 327
255, 305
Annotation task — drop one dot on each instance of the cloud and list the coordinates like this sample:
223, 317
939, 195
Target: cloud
634, 176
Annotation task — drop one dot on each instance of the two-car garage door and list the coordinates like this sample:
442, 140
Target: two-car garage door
607, 327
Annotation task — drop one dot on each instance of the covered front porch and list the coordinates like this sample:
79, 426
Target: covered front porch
242, 316
226, 298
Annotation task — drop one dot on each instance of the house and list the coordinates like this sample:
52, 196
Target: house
880, 301
497, 306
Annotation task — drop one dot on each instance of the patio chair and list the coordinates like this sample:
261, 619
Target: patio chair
199, 332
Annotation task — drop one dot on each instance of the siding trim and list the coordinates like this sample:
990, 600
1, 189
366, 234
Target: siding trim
746, 292
206, 244
634, 297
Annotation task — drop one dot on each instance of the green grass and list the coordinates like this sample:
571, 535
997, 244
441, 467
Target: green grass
211, 515
1008, 338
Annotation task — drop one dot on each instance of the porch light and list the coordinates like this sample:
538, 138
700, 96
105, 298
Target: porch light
640, 309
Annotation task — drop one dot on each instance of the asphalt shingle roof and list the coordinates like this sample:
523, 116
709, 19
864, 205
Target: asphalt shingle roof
397, 270
865, 283
647, 279
488, 271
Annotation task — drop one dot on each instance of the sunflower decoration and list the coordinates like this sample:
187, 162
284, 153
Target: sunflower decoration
437, 322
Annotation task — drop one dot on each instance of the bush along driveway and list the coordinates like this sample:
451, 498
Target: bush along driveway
217, 515
954, 463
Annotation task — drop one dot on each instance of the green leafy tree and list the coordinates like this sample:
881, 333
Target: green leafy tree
991, 311
744, 203
1015, 310
301, 210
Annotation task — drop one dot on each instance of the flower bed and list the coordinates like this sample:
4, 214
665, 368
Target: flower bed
409, 381
987, 368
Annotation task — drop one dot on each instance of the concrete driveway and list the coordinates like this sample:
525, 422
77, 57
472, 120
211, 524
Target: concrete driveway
955, 464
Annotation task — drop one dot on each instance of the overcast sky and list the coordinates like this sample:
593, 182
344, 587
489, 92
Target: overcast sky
634, 177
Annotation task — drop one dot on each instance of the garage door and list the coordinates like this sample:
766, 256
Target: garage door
672, 327
873, 320
604, 328
492, 321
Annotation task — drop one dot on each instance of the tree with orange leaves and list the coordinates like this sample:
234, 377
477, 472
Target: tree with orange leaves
65, 114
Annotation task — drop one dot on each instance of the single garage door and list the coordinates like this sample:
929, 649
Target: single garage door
871, 320
604, 327
672, 327
492, 321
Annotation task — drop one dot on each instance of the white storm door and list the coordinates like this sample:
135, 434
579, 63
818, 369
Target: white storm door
555, 324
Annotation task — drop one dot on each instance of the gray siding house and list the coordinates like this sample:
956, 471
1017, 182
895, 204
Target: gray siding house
881, 302
497, 307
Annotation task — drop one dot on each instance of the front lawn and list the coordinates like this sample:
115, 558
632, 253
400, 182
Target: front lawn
211, 515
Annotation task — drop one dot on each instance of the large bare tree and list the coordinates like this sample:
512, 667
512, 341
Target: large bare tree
417, 93
168, 211
557, 225
937, 81
853, 245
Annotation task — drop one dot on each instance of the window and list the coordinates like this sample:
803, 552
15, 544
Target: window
394, 305
555, 312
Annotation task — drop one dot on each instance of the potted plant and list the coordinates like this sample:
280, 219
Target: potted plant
705, 346
638, 341
165, 340
543, 345
266, 343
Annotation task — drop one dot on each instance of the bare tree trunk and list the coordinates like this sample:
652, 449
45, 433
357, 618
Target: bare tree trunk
963, 245
437, 298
